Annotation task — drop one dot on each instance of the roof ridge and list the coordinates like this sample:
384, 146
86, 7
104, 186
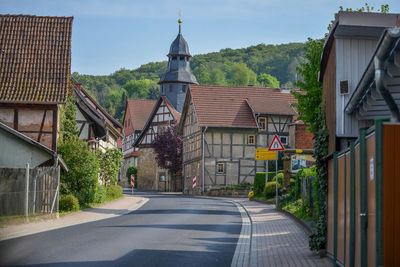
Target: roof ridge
33, 16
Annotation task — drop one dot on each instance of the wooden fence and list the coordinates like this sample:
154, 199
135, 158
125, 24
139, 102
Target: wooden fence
42, 191
363, 199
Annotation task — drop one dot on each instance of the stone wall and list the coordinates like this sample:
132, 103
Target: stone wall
147, 170
127, 162
190, 170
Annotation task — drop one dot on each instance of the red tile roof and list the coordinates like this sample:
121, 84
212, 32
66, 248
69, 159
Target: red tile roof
224, 106
35, 58
140, 110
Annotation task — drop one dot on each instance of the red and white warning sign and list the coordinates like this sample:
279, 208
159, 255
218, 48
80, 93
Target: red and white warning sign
132, 180
276, 144
194, 182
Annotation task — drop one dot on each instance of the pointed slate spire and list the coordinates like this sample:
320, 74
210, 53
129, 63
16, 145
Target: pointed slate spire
175, 81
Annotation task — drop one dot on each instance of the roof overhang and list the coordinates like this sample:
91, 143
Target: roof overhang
377, 94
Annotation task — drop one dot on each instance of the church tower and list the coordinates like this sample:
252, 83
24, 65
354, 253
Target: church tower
175, 81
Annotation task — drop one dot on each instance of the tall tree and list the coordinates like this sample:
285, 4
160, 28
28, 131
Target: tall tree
310, 98
168, 148
267, 80
241, 75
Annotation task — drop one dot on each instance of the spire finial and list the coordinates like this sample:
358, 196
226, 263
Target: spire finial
180, 21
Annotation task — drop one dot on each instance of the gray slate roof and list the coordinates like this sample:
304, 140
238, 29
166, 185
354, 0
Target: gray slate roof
181, 75
179, 47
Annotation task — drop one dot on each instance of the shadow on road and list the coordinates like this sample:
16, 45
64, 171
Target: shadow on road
186, 211
149, 257
225, 228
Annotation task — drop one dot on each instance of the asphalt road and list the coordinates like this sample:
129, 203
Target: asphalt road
169, 230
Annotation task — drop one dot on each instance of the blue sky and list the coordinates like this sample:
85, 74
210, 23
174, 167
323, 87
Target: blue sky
112, 34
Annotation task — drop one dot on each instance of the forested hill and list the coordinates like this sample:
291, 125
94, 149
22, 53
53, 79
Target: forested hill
257, 65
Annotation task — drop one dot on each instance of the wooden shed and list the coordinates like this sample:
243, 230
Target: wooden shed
363, 172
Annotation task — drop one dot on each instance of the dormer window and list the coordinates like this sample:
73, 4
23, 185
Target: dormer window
262, 123
174, 58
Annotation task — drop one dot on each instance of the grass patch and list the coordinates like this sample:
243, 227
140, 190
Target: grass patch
297, 209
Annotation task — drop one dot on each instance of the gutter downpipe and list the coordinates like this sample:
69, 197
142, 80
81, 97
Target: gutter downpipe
203, 163
389, 41
385, 46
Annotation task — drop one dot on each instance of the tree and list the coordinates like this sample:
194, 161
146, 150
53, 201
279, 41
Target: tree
110, 163
81, 179
309, 100
139, 89
267, 80
168, 148
68, 127
241, 75
217, 77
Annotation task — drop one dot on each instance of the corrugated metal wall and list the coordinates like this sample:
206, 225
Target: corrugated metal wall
352, 57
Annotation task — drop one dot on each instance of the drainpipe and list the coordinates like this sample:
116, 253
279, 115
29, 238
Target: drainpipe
202, 161
388, 43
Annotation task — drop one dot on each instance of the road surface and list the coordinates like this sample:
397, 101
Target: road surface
169, 230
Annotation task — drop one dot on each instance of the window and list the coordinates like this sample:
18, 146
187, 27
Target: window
174, 58
262, 123
284, 140
184, 88
220, 167
170, 88
161, 177
251, 139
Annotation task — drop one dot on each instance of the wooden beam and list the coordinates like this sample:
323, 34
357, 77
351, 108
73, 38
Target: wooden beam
42, 125
15, 119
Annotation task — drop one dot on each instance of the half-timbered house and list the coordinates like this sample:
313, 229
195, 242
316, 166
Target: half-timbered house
150, 176
95, 125
221, 128
137, 111
35, 66
174, 84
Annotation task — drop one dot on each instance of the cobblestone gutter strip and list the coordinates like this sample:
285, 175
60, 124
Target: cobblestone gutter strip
244, 251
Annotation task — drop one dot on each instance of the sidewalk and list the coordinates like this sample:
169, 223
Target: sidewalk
111, 209
277, 240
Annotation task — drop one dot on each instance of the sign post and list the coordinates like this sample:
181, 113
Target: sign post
276, 145
194, 182
265, 154
132, 182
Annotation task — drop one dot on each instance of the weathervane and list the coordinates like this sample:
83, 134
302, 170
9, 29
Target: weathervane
180, 20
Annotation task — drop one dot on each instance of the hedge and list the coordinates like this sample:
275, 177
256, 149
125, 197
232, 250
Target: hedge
259, 183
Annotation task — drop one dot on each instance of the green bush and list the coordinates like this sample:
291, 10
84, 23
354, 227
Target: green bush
259, 183
110, 162
270, 191
100, 195
292, 183
131, 170
113, 191
81, 179
271, 175
280, 178
69, 203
